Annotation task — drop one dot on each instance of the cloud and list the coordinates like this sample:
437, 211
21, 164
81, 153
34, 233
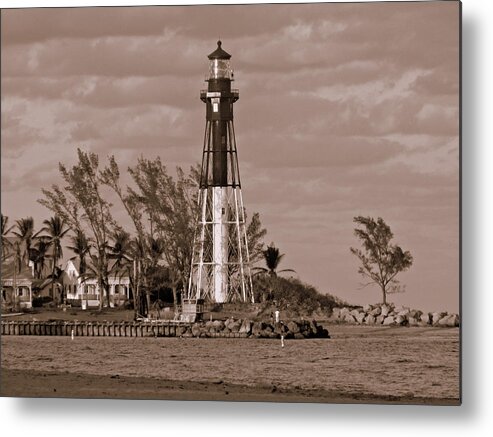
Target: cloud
344, 109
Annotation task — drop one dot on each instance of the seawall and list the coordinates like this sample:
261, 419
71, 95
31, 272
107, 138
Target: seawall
231, 328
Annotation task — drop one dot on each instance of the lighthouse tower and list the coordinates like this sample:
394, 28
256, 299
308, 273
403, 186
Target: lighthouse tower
220, 270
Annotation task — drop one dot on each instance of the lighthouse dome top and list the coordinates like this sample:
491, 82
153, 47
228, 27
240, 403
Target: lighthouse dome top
219, 53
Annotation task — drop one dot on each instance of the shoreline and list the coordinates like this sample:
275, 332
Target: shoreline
38, 384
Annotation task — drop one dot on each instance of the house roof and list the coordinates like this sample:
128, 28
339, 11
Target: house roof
8, 272
75, 262
111, 266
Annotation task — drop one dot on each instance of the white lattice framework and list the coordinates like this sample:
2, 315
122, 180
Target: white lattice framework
220, 270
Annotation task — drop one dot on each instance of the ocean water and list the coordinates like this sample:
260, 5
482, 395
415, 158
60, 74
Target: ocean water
384, 361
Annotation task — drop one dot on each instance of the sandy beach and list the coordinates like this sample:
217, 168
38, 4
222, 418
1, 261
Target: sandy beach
23, 383
358, 364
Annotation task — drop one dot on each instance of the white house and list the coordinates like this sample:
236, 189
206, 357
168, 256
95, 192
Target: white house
87, 291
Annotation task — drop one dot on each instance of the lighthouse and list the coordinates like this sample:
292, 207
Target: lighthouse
220, 270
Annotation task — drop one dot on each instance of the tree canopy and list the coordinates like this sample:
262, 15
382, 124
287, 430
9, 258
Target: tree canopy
381, 261
81, 205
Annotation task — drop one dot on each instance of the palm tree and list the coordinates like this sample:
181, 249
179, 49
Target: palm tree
25, 233
156, 250
121, 250
17, 269
121, 253
81, 247
6, 243
56, 229
39, 255
272, 258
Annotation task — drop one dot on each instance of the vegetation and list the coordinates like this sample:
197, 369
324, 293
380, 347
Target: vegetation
81, 205
56, 229
381, 261
6, 244
24, 233
292, 296
272, 258
81, 248
155, 253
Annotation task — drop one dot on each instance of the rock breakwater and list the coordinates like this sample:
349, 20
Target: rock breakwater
389, 315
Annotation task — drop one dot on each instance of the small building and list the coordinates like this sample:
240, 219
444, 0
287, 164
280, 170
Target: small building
16, 287
84, 290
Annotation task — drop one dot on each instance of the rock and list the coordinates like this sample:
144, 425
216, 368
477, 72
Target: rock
293, 327
367, 308
450, 321
425, 318
322, 332
299, 336
354, 313
376, 311
235, 326
280, 328
343, 312
246, 326
443, 321
389, 320
257, 328
379, 320
336, 313
400, 320
456, 320
401, 309
218, 325
370, 320
360, 317
404, 313
413, 321
385, 310
229, 322
348, 318
313, 326
435, 317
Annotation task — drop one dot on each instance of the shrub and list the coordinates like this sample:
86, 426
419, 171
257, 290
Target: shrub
291, 293
42, 300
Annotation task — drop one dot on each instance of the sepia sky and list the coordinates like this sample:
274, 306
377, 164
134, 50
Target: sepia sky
344, 110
